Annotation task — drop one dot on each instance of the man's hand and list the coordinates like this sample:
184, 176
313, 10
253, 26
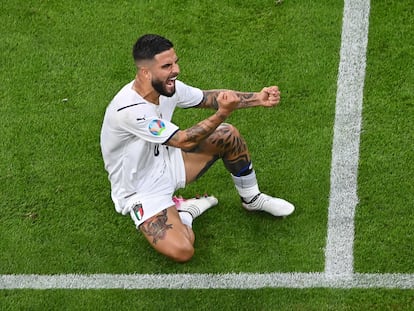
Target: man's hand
227, 102
269, 96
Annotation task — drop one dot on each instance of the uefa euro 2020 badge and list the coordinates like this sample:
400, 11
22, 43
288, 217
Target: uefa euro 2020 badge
156, 127
138, 210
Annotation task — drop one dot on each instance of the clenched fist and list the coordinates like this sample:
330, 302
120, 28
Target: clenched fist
227, 101
269, 96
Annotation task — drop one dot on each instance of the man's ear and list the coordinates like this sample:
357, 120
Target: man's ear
145, 72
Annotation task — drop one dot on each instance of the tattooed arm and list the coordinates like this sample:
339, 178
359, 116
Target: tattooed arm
267, 97
226, 102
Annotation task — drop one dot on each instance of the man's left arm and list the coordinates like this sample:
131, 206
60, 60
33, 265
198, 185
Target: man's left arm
267, 97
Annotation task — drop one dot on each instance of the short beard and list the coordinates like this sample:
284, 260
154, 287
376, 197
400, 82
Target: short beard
159, 87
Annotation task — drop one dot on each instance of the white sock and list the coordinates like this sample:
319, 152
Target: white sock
246, 186
186, 218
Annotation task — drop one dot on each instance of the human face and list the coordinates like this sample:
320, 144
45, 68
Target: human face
164, 72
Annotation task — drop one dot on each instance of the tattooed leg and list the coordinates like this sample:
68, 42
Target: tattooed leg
225, 143
232, 149
156, 227
169, 236
236, 159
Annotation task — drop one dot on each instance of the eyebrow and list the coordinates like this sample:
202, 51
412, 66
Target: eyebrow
169, 64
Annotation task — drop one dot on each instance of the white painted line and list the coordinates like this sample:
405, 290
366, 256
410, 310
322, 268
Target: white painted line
343, 199
204, 281
345, 151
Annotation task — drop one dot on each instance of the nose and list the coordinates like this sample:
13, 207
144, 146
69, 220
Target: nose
176, 68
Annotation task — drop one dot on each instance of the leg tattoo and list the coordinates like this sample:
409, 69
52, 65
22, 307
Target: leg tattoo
233, 150
226, 143
156, 227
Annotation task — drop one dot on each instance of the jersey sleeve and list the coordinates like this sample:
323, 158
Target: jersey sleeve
156, 130
143, 122
188, 96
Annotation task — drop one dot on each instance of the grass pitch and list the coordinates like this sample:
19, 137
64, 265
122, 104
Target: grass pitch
63, 61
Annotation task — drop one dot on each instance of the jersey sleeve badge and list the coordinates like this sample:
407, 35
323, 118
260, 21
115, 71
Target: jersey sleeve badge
156, 127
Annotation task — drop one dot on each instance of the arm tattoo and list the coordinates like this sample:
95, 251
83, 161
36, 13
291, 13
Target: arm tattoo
210, 99
246, 99
156, 227
204, 128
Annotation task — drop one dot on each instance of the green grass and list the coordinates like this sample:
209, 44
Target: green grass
265, 299
61, 64
386, 186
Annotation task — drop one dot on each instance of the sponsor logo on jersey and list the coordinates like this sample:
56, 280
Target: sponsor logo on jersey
156, 127
138, 210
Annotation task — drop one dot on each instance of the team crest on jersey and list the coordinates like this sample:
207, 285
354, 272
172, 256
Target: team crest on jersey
138, 210
156, 127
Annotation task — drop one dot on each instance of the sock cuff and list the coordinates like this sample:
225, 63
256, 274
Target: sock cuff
186, 218
248, 192
246, 186
246, 181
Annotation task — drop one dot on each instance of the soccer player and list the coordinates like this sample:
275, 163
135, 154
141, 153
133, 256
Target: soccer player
148, 157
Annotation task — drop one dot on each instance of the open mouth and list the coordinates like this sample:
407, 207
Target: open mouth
171, 81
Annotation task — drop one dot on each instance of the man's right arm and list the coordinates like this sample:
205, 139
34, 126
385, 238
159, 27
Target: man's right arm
267, 97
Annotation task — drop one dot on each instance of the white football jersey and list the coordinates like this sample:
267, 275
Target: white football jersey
132, 143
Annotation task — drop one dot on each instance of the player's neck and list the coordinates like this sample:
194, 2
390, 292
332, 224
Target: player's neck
145, 91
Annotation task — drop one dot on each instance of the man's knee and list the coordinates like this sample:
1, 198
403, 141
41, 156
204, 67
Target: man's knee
177, 243
226, 138
226, 129
181, 251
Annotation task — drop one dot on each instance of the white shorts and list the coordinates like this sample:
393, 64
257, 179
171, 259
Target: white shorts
142, 208
149, 202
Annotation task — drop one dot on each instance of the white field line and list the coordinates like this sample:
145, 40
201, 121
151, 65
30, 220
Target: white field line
343, 199
205, 281
345, 150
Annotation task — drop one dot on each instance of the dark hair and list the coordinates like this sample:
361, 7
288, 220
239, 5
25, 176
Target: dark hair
149, 45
